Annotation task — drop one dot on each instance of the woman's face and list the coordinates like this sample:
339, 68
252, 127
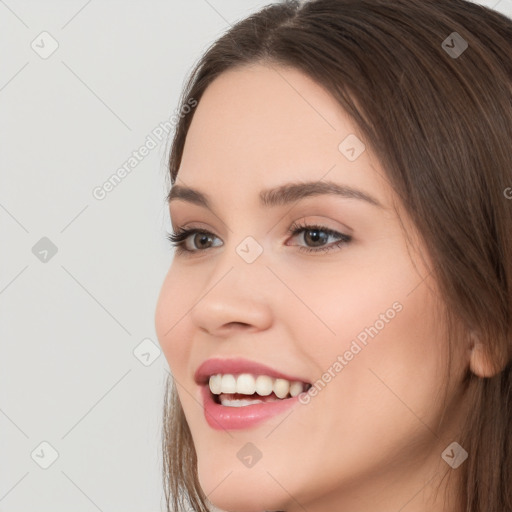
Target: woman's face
355, 319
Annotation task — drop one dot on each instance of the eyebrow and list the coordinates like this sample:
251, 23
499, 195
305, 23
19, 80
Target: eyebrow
282, 195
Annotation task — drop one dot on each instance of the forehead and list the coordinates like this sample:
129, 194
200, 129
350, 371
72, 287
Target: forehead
255, 107
257, 127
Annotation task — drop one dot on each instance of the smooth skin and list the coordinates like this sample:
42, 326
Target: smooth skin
372, 438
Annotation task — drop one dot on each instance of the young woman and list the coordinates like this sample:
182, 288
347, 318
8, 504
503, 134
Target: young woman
337, 317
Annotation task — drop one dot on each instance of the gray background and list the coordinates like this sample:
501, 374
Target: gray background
80, 365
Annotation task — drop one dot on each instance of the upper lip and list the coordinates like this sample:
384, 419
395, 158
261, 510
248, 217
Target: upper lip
237, 366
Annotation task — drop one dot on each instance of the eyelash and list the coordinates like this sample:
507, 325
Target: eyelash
179, 237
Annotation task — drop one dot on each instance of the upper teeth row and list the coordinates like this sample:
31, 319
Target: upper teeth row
248, 384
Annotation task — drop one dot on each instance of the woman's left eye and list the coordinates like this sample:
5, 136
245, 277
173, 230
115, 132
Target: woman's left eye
313, 234
317, 235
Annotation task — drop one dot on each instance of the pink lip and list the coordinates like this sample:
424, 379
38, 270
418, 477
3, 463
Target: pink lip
221, 417
237, 366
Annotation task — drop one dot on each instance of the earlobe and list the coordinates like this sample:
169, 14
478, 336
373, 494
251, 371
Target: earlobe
480, 361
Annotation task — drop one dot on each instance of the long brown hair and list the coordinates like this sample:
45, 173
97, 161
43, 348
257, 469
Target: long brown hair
441, 126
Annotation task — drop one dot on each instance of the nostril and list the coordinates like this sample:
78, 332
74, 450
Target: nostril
235, 325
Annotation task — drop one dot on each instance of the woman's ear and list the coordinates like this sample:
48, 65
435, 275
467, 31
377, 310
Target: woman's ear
480, 360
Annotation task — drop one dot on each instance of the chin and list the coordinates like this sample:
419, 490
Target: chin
244, 490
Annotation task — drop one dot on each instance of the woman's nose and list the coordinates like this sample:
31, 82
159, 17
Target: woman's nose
236, 297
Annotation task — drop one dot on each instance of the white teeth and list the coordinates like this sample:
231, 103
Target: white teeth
264, 385
281, 387
228, 384
247, 384
238, 403
216, 384
295, 388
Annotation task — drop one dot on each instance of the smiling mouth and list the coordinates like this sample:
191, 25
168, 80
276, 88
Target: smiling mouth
246, 389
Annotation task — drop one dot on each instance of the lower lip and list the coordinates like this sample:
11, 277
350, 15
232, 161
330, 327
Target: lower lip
221, 417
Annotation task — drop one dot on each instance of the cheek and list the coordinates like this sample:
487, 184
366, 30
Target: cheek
356, 298
393, 353
384, 403
392, 368
172, 307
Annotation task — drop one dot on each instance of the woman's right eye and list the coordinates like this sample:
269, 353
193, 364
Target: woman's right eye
180, 238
